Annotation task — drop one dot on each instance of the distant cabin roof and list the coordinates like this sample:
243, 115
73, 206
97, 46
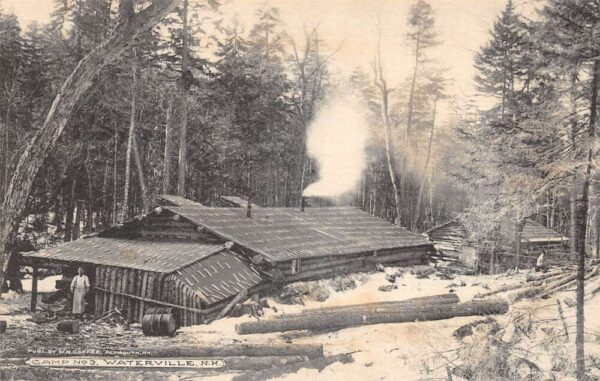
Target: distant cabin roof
235, 201
532, 231
281, 234
174, 200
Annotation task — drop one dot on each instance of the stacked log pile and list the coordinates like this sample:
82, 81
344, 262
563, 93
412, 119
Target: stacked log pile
543, 285
420, 309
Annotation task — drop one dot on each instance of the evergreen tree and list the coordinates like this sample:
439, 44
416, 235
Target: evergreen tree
502, 63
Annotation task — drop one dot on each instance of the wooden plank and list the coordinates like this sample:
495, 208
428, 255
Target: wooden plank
150, 286
143, 295
34, 288
106, 285
97, 294
123, 289
112, 288
131, 311
184, 303
154, 301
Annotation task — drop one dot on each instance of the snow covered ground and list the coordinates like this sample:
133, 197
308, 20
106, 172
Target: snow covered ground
381, 352
404, 351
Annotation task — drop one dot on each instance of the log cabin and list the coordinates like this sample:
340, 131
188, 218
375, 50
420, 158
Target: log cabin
498, 254
198, 259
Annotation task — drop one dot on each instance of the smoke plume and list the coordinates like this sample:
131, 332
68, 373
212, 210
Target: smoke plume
337, 140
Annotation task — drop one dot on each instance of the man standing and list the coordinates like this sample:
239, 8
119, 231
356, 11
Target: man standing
540, 264
79, 287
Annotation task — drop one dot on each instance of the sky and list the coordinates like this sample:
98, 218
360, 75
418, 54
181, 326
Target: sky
350, 25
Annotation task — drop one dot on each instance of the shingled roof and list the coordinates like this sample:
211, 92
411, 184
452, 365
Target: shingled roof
218, 276
534, 232
211, 271
237, 202
163, 256
281, 234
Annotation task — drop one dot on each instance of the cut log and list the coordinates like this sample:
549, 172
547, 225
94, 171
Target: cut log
352, 319
533, 291
557, 284
564, 285
434, 299
68, 326
508, 287
534, 277
275, 372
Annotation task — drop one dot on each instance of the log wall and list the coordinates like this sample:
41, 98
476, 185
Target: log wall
133, 291
332, 265
505, 258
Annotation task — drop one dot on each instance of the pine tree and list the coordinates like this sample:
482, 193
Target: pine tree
422, 35
502, 62
570, 31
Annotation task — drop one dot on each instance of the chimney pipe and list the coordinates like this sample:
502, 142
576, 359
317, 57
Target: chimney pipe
302, 203
249, 208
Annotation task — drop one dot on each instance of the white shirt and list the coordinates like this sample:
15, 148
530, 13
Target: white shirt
540, 260
80, 281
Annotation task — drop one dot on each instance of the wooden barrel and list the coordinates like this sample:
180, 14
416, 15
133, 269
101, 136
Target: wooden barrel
2, 326
158, 310
160, 324
69, 326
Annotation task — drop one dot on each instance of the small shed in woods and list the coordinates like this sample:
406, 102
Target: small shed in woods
451, 242
197, 259
452, 239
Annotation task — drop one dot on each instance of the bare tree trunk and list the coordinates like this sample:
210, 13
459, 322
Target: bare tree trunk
553, 209
381, 84
424, 175
106, 206
518, 233
573, 220
168, 148
140, 172
130, 25
302, 175
597, 228
573, 194
182, 165
114, 195
411, 96
129, 145
77, 224
70, 211
582, 214
89, 222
